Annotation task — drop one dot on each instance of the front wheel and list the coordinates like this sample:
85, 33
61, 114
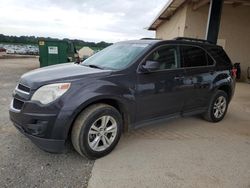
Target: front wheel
218, 107
96, 131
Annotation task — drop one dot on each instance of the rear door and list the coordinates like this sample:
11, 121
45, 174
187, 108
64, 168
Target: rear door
200, 68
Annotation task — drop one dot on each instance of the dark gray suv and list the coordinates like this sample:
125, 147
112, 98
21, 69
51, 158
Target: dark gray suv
123, 86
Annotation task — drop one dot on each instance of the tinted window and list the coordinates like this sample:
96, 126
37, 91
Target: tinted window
195, 57
166, 57
210, 61
220, 56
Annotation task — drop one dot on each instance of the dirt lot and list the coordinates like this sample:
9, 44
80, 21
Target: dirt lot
21, 163
186, 152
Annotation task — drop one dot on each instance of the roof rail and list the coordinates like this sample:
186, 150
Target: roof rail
192, 39
150, 39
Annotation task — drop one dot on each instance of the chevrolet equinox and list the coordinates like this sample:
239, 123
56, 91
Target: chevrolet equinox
119, 88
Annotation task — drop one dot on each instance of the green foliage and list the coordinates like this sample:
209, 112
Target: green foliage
34, 40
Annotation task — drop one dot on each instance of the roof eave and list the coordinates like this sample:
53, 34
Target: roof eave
159, 14
165, 14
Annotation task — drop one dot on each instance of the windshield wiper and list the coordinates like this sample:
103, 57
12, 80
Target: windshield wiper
94, 66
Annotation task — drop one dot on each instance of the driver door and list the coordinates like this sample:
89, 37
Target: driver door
160, 92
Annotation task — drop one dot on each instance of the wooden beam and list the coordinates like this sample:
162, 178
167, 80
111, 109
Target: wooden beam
235, 4
163, 18
236, 1
200, 3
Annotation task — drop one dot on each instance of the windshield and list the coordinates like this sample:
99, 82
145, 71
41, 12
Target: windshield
115, 57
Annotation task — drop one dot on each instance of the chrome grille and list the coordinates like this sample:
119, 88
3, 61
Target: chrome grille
23, 89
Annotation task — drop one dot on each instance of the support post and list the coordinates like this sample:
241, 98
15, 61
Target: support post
214, 17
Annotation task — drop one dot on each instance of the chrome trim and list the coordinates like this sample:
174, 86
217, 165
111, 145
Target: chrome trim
12, 107
23, 85
21, 91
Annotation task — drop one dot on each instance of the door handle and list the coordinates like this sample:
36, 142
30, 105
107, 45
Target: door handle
179, 77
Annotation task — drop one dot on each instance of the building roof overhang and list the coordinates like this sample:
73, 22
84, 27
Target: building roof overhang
173, 5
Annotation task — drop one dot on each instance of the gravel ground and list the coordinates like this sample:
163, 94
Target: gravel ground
22, 164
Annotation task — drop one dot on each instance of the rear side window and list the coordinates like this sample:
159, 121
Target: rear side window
195, 57
220, 56
210, 61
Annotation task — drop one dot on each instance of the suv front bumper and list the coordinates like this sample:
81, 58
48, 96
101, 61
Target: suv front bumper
37, 127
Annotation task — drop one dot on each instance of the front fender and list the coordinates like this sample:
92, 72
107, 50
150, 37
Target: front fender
84, 96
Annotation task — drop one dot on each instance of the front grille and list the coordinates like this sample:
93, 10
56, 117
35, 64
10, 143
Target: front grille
17, 104
23, 88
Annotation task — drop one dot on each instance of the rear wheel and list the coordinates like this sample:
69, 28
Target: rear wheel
96, 131
218, 107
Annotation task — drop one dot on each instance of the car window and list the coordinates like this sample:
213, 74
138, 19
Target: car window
116, 56
166, 56
210, 61
220, 56
194, 57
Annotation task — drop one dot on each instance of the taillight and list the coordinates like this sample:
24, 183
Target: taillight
234, 72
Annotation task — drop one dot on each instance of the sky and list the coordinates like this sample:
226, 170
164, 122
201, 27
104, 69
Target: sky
89, 20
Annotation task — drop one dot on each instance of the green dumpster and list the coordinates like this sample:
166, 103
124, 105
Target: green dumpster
52, 51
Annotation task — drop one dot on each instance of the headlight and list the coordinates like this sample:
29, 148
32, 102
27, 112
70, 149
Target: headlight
49, 93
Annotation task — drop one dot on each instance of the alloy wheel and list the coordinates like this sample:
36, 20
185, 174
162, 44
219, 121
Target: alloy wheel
220, 106
102, 133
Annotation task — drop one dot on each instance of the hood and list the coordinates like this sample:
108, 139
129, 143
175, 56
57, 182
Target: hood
56, 73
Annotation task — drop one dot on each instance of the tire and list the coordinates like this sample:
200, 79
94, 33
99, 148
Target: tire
211, 114
96, 131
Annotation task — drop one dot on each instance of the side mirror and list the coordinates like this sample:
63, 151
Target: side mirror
150, 66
